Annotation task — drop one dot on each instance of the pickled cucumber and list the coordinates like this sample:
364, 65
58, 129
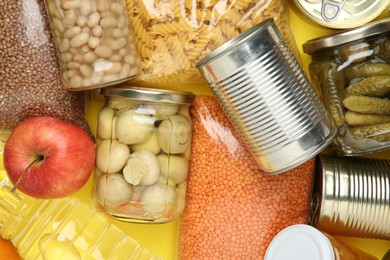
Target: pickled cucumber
332, 86
368, 105
374, 86
358, 119
366, 69
379, 132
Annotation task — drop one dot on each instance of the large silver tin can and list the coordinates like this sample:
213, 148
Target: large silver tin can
268, 98
351, 197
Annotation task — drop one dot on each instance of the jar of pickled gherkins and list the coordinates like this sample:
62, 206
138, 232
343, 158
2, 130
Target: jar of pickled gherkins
352, 70
142, 153
94, 42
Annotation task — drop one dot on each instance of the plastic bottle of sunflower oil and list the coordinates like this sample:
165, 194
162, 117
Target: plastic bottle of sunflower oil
62, 229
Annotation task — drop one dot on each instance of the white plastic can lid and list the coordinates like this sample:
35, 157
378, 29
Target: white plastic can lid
301, 242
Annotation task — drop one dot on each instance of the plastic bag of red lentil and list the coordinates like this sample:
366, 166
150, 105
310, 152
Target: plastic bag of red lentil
30, 82
171, 36
232, 209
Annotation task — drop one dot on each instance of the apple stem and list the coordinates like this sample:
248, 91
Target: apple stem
24, 173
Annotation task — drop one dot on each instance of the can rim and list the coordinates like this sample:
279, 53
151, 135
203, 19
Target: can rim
347, 36
342, 23
149, 94
234, 42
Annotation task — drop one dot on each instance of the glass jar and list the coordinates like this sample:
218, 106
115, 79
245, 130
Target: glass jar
143, 147
94, 42
352, 70
304, 242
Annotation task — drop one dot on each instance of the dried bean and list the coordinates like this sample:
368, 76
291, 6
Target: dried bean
79, 40
93, 42
93, 20
70, 4
85, 7
369, 105
232, 209
70, 18
30, 82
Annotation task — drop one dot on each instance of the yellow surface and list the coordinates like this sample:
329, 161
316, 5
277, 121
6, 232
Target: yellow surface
162, 239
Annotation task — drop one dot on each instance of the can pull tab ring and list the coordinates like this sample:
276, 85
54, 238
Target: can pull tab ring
331, 9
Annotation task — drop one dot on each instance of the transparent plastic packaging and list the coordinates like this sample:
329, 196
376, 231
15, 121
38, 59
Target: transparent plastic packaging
352, 70
62, 229
172, 36
94, 42
143, 150
232, 208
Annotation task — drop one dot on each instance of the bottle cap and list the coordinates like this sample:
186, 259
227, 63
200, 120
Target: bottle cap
302, 242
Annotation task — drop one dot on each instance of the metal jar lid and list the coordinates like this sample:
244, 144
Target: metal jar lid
149, 94
347, 36
300, 241
342, 14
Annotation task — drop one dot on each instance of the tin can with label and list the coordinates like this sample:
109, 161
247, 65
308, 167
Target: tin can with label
351, 196
342, 14
268, 98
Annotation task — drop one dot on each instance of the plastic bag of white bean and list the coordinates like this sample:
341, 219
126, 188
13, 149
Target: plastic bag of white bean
94, 42
30, 83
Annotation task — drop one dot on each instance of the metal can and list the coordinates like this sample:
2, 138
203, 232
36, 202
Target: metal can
342, 14
268, 98
143, 148
351, 196
352, 69
94, 42
305, 242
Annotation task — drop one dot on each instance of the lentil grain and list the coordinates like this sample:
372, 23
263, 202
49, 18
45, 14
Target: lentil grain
232, 209
30, 83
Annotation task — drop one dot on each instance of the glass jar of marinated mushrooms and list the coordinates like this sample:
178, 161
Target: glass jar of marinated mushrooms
143, 148
352, 70
94, 42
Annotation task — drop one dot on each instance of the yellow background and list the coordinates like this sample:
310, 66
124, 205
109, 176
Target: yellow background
162, 239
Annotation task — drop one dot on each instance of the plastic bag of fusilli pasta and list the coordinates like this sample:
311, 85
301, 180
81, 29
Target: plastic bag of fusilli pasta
173, 35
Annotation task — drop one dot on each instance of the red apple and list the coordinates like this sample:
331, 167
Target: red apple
57, 157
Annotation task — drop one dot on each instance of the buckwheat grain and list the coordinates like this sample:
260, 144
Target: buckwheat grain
30, 83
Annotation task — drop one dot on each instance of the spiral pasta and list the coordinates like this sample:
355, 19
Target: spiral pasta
171, 36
